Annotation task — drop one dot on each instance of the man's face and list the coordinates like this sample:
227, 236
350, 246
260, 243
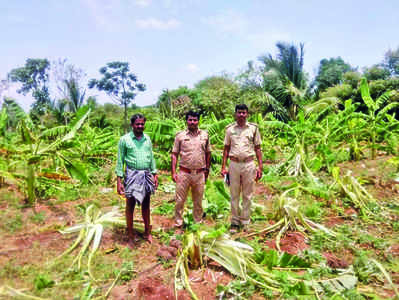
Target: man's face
192, 123
241, 115
138, 126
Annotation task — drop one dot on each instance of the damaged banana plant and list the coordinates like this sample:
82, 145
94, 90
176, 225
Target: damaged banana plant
351, 187
91, 230
235, 256
289, 217
243, 262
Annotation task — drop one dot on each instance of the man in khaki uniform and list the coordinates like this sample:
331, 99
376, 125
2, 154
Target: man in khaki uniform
241, 144
192, 145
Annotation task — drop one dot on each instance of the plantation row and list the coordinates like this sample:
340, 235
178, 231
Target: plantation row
305, 153
331, 170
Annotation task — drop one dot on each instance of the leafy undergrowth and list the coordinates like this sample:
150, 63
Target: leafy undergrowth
356, 257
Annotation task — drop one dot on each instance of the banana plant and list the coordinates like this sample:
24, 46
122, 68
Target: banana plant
96, 145
289, 216
377, 111
351, 187
35, 153
91, 230
242, 261
235, 256
300, 136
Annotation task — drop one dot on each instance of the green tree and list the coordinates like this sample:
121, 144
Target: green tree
119, 83
218, 95
352, 78
14, 112
288, 63
174, 103
376, 72
284, 77
34, 78
330, 73
69, 78
377, 111
391, 61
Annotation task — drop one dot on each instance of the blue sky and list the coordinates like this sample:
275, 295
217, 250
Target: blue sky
170, 43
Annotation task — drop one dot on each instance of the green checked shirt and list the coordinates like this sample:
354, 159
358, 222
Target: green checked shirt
137, 154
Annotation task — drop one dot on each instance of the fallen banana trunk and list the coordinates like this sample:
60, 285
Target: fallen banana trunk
289, 217
238, 258
351, 187
7, 291
92, 230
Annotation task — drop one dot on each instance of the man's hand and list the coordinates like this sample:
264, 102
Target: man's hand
174, 177
259, 173
223, 172
156, 183
119, 187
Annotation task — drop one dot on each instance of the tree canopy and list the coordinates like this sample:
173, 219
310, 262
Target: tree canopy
34, 78
330, 73
119, 83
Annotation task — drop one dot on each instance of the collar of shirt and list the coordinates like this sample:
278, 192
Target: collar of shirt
193, 134
245, 126
143, 138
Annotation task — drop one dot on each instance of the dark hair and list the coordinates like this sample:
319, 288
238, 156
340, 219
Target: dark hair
192, 114
135, 117
241, 107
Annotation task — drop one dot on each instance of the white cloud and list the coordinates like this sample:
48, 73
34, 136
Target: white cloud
104, 13
142, 3
228, 22
153, 23
192, 68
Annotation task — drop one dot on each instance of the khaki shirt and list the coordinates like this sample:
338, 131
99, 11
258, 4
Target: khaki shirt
242, 140
192, 148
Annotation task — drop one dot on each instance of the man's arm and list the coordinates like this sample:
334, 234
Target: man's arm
174, 156
119, 168
226, 152
207, 163
173, 166
154, 167
119, 186
259, 171
258, 152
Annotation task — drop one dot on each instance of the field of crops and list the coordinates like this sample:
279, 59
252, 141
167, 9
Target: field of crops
324, 222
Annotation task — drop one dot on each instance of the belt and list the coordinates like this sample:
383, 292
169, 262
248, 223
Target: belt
191, 171
236, 159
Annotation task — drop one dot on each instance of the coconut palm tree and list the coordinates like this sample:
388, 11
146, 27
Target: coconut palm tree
284, 77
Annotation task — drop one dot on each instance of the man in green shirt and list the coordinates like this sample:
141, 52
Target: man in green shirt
140, 177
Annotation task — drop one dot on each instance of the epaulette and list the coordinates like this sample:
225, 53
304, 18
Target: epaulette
253, 124
229, 125
180, 132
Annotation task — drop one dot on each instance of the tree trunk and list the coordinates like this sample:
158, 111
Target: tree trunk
125, 125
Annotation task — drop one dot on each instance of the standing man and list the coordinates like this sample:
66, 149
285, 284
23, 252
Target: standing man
241, 144
140, 176
192, 145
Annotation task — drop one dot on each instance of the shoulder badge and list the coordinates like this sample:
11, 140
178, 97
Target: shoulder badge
253, 124
180, 132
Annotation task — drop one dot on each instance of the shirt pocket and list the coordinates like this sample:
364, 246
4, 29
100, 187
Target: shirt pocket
247, 139
186, 145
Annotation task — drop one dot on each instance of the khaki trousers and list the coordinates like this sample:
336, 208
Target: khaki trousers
184, 182
242, 180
